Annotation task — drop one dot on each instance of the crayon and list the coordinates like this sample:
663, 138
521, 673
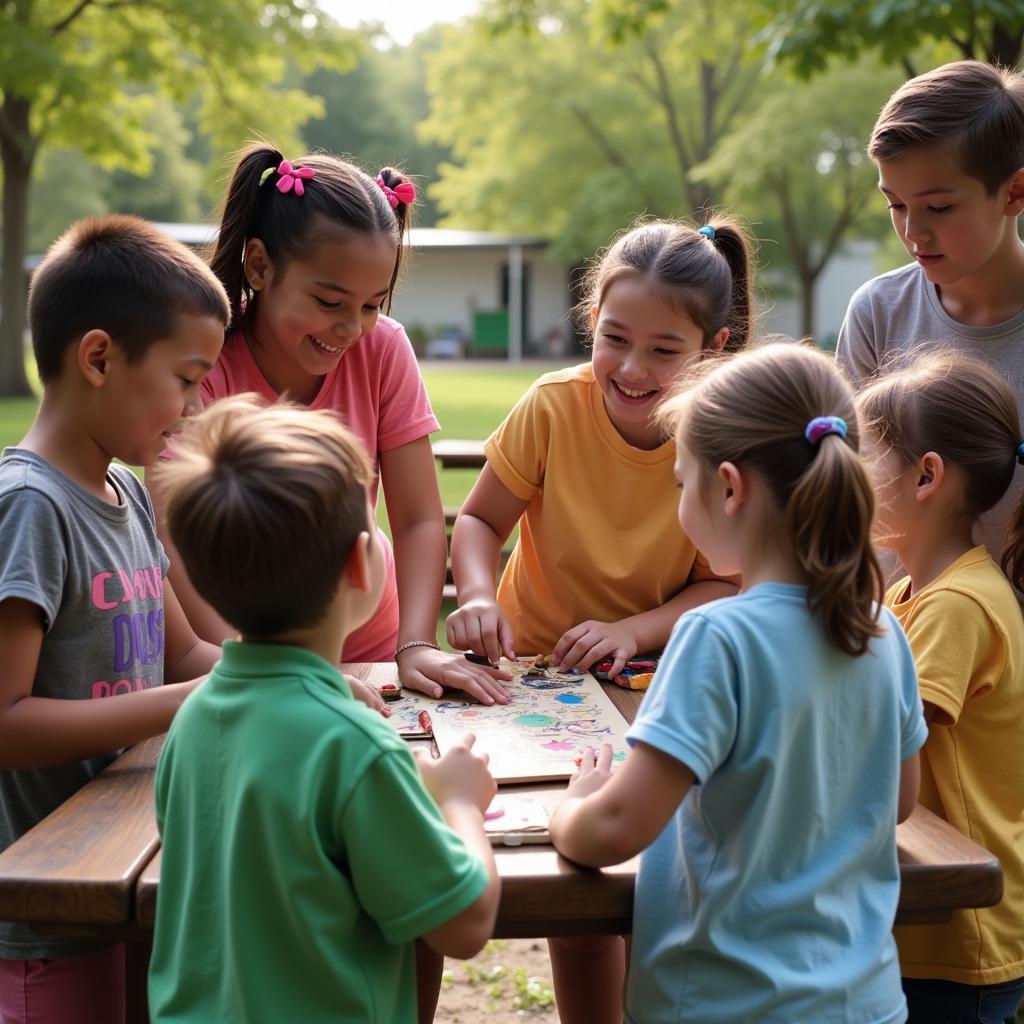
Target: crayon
425, 724
480, 659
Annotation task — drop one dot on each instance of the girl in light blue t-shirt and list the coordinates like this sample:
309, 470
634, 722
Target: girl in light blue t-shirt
777, 746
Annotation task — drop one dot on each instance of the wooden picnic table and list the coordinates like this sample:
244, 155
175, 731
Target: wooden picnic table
93, 868
459, 454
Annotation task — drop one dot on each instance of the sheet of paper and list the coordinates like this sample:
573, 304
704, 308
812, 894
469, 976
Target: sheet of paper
537, 737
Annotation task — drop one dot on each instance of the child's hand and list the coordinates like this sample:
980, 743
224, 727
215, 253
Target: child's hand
592, 774
480, 626
592, 641
369, 696
460, 775
430, 672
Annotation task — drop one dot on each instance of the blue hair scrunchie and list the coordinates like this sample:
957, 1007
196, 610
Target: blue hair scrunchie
708, 232
822, 426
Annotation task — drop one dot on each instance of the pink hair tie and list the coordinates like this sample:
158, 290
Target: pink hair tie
404, 193
290, 178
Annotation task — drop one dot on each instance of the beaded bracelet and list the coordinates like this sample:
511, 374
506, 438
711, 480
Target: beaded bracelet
416, 643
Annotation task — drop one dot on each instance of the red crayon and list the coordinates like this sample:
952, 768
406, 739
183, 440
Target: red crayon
425, 724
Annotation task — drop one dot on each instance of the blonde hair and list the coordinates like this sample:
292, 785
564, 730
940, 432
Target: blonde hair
264, 504
706, 276
960, 408
752, 410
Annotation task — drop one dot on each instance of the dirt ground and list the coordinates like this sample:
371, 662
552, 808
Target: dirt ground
510, 981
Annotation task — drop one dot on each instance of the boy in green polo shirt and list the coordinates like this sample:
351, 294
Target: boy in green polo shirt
303, 849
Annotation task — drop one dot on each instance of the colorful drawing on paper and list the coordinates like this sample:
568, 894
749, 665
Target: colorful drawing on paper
406, 709
552, 717
537, 737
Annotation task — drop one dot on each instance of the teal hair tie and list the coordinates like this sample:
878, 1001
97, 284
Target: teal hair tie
822, 426
1020, 453
708, 232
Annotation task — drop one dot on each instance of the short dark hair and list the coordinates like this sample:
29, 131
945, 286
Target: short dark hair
972, 109
121, 275
263, 504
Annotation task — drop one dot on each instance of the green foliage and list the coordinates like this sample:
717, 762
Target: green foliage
806, 33
565, 133
531, 993
372, 112
69, 186
798, 164
75, 64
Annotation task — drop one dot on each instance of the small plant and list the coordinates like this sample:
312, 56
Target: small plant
531, 993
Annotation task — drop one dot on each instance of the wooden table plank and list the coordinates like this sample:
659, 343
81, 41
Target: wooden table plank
91, 863
80, 864
937, 863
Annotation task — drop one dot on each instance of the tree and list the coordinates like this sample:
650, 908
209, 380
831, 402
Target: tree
808, 32
68, 186
72, 72
560, 126
372, 112
798, 162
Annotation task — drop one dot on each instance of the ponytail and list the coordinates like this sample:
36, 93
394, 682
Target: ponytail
236, 217
1012, 561
731, 241
753, 410
403, 212
828, 516
339, 196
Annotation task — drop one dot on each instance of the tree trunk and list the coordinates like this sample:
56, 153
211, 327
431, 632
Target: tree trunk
1006, 45
807, 310
17, 151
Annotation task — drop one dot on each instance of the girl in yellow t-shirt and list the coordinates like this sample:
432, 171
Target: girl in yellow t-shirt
600, 570
944, 440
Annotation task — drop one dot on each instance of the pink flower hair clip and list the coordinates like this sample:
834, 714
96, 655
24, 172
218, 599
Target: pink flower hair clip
290, 178
404, 193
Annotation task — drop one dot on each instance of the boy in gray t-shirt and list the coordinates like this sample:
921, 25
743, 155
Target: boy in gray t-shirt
125, 323
949, 146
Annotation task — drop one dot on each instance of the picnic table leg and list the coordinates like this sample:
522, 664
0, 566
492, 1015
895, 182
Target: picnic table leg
136, 963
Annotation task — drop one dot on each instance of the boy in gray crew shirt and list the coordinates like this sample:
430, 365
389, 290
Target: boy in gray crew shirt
125, 324
949, 146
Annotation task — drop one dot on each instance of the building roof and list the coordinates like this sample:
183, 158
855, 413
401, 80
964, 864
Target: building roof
420, 238
201, 235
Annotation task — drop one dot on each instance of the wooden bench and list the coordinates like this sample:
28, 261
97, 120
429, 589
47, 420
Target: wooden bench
454, 454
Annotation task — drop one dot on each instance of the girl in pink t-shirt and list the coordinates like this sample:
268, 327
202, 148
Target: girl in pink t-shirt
309, 253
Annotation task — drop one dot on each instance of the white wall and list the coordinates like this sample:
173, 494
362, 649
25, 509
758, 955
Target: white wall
846, 272
441, 287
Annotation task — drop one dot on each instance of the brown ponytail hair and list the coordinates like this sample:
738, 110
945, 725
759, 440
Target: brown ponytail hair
752, 410
705, 275
340, 197
958, 407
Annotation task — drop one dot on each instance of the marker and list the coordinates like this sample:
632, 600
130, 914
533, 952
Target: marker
425, 724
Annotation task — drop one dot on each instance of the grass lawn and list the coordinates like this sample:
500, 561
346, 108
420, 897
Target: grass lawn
469, 399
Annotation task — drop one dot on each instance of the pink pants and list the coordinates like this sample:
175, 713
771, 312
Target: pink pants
72, 990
